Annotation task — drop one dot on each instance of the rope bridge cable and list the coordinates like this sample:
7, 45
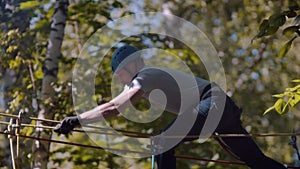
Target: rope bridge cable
26, 117
145, 135
127, 133
135, 135
130, 151
117, 150
75, 144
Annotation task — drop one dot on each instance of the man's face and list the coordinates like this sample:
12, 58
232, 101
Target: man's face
124, 76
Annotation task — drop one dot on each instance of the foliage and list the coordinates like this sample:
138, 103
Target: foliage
290, 97
253, 70
278, 19
286, 100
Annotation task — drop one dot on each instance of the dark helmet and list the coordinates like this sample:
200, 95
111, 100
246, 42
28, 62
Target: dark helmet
120, 57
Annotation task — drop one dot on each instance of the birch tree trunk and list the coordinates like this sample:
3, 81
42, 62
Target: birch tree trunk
47, 108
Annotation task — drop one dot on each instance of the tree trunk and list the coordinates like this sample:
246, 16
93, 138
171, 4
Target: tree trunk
40, 148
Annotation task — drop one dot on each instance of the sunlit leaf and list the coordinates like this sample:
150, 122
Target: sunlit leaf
29, 4
285, 108
280, 106
290, 30
295, 100
268, 110
11, 49
293, 89
296, 81
29, 86
286, 47
279, 95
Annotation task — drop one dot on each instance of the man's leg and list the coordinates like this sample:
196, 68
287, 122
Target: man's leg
248, 151
166, 160
244, 147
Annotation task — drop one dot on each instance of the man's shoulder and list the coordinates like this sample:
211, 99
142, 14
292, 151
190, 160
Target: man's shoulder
150, 72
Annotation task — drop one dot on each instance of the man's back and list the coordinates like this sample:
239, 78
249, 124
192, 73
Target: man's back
182, 91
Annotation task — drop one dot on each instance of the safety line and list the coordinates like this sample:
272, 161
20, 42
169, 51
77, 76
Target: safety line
26, 117
4, 123
135, 135
127, 133
145, 135
130, 151
117, 150
75, 144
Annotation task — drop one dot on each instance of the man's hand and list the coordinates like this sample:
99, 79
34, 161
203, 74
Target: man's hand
67, 125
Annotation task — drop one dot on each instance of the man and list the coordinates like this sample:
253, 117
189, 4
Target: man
203, 98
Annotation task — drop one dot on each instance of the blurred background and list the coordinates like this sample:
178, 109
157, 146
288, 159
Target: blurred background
257, 42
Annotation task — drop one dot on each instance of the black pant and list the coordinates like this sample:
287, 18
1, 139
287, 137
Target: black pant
244, 147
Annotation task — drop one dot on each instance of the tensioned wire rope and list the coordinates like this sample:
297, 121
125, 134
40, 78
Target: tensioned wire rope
129, 133
138, 134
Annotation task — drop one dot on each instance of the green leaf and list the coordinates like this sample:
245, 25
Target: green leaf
290, 14
39, 74
278, 95
29, 4
290, 30
294, 100
271, 30
11, 49
288, 93
42, 25
293, 5
277, 19
281, 106
264, 25
293, 89
286, 47
15, 63
296, 80
285, 108
268, 110
259, 35
117, 4
262, 29
29, 86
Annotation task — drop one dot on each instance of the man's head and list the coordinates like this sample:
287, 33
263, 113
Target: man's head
126, 62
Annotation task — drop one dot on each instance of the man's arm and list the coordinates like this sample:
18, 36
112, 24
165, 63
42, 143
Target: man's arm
112, 108
106, 110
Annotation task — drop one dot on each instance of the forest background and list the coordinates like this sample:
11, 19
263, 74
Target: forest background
257, 42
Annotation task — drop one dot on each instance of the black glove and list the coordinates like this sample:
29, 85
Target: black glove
67, 125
